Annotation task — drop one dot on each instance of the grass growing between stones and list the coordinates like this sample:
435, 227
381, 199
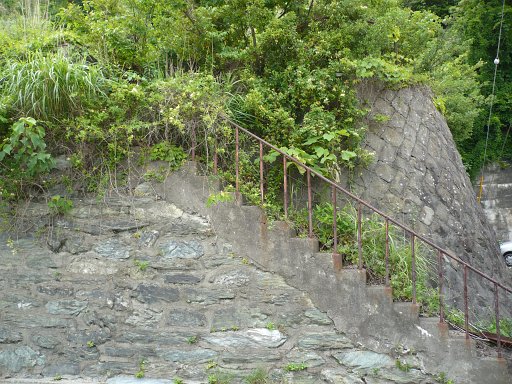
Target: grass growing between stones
293, 367
258, 376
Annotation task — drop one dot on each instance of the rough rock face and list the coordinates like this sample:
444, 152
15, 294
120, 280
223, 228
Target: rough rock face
127, 280
497, 200
418, 178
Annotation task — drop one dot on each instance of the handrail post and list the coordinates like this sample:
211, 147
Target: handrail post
413, 268
285, 187
359, 238
466, 308
387, 252
261, 172
440, 267
215, 159
497, 313
335, 256
310, 201
237, 149
193, 134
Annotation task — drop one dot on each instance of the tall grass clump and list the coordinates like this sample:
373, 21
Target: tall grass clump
50, 87
373, 235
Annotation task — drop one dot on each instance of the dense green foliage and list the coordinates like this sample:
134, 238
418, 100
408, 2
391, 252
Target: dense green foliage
477, 25
103, 76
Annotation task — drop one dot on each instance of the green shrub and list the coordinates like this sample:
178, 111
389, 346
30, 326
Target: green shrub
59, 205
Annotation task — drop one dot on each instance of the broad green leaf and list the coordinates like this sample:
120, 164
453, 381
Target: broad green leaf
348, 155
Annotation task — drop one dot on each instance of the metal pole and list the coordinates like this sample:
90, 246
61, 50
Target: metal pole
440, 267
310, 201
497, 313
237, 181
285, 187
413, 268
261, 173
387, 252
334, 223
215, 159
466, 309
359, 238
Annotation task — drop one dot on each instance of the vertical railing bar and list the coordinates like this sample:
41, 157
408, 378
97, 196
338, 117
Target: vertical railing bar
262, 193
310, 207
413, 267
237, 181
497, 313
387, 252
440, 268
466, 308
215, 159
285, 187
334, 222
193, 143
359, 238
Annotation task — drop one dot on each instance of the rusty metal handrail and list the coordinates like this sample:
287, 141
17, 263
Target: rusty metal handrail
360, 202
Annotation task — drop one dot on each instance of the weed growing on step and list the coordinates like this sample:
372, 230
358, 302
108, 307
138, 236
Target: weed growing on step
177, 380
270, 326
211, 364
373, 236
403, 365
142, 370
57, 377
57, 275
258, 376
292, 367
192, 339
59, 205
221, 197
220, 377
442, 379
90, 344
141, 265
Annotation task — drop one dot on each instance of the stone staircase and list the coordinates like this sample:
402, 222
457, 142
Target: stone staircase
155, 284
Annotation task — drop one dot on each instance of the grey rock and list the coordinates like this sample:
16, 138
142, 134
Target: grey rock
207, 296
66, 307
133, 380
154, 293
8, 336
318, 317
113, 249
148, 238
323, 341
309, 359
250, 356
62, 368
235, 278
48, 342
182, 279
252, 338
91, 266
364, 360
132, 351
14, 360
144, 317
53, 290
152, 337
181, 249
117, 226
341, 376
186, 318
195, 356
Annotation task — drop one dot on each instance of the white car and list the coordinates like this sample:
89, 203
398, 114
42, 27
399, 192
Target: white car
506, 251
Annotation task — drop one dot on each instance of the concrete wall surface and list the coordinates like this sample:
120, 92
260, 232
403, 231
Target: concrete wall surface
366, 314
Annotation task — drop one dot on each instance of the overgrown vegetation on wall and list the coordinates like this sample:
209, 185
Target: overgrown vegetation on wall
101, 77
